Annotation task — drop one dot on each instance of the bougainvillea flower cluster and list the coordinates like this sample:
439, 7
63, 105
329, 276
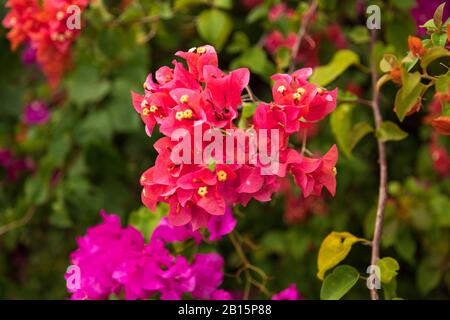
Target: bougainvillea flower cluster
42, 26
36, 113
203, 97
290, 293
14, 165
116, 260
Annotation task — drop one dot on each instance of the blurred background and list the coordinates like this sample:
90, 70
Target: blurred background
72, 148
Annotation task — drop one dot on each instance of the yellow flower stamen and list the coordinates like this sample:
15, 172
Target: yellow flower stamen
301, 91
184, 98
281, 89
187, 114
201, 50
296, 96
145, 111
202, 191
153, 108
221, 175
144, 103
334, 170
179, 115
60, 15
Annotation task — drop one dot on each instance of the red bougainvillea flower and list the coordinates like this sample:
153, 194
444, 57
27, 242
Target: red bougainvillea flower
441, 124
441, 159
313, 174
203, 97
43, 26
416, 46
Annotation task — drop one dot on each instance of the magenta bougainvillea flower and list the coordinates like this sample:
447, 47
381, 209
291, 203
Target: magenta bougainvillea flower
290, 293
116, 260
36, 113
218, 226
28, 54
203, 97
14, 165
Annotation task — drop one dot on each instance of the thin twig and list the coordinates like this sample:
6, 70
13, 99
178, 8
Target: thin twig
18, 223
252, 96
301, 32
382, 194
304, 140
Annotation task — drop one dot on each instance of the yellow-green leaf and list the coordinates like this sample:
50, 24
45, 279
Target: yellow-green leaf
334, 248
388, 269
342, 59
409, 94
389, 131
388, 62
347, 135
433, 54
214, 26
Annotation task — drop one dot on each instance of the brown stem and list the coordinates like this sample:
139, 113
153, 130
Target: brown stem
301, 32
18, 223
382, 195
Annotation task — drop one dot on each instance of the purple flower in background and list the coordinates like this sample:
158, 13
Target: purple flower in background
207, 268
29, 55
221, 295
424, 11
5, 157
14, 166
219, 226
114, 259
290, 293
36, 113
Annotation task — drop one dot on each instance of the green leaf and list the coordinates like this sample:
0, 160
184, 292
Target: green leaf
359, 35
258, 13
239, 43
86, 86
338, 283
388, 269
347, 135
283, 57
428, 276
212, 165
256, 59
409, 94
334, 248
442, 83
214, 26
340, 62
223, 4
248, 109
390, 290
146, 221
429, 25
389, 131
186, 4
437, 17
439, 40
388, 62
433, 54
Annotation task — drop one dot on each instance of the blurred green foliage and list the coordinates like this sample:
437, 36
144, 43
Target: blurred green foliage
94, 149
